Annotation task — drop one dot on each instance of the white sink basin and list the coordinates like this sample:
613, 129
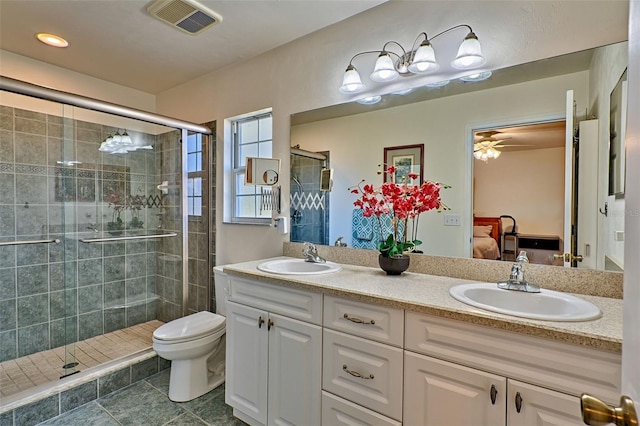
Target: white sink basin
298, 267
547, 305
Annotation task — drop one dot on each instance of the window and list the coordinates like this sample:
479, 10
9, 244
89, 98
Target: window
194, 170
252, 137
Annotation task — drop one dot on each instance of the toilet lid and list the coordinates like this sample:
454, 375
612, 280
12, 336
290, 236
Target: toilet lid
190, 327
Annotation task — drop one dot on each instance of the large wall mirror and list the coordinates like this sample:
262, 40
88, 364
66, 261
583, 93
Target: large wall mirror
447, 121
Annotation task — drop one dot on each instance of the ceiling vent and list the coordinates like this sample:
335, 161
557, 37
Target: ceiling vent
186, 15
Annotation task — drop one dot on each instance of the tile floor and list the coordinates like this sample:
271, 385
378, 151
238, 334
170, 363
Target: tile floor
146, 403
33, 370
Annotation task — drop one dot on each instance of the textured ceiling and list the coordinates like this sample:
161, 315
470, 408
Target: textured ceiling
118, 41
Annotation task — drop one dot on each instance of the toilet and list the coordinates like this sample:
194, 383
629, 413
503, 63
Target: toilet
195, 345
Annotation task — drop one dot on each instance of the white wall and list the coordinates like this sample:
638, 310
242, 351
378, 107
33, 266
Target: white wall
444, 126
304, 74
43, 74
525, 185
607, 65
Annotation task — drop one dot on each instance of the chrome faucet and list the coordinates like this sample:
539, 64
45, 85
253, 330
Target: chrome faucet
339, 242
311, 254
516, 278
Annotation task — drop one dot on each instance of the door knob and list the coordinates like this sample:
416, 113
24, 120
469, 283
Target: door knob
567, 257
597, 413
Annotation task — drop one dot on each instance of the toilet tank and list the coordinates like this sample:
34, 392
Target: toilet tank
221, 290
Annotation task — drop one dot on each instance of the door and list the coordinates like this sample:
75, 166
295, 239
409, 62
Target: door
631, 331
246, 354
570, 183
295, 372
631, 335
440, 393
587, 214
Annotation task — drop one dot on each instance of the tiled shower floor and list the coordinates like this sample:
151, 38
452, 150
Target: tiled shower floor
33, 370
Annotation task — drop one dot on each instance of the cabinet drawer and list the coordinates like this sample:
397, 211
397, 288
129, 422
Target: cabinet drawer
365, 372
567, 368
297, 304
380, 323
340, 412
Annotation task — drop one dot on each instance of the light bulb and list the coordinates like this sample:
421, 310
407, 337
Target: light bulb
469, 54
424, 60
351, 82
384, 69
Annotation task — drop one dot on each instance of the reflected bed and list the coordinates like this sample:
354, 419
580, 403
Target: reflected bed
486, 237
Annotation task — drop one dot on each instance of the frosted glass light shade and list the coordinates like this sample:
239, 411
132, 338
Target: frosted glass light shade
125, 139
384, 70
424, 60
351, 81
469, 54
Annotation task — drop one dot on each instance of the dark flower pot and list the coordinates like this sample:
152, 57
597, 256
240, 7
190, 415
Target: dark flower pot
394, 265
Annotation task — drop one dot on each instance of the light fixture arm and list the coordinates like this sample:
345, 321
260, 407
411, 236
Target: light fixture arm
453, 28
415, 43
378, 52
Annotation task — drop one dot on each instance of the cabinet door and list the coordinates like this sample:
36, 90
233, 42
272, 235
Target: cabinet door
247, 352
295, 372
540, 406
438, 393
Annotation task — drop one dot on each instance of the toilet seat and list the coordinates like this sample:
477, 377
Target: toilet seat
191, 327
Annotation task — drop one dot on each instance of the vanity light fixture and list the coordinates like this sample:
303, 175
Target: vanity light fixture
420, 60
121, 143
52, 40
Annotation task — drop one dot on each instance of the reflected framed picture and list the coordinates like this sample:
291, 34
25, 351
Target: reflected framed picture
406, 159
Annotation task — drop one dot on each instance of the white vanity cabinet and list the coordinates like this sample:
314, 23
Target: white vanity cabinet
362, 362
484, 385
306, 358
274, 354
440, 393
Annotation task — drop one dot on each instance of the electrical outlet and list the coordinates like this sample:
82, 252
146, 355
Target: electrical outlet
619, 235
451, 220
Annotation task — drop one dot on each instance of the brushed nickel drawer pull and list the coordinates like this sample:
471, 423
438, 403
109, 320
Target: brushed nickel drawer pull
358, 320
356, 374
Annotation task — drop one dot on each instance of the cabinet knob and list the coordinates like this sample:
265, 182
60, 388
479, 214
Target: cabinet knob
358, 320
597, 413
269, 324
260, 322
518, 402
494, 394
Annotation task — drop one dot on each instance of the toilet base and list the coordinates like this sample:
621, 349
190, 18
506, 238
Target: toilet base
190, 379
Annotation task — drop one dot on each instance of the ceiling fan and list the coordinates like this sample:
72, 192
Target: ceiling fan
487, 146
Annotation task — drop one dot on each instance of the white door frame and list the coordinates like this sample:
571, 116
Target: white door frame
467, 221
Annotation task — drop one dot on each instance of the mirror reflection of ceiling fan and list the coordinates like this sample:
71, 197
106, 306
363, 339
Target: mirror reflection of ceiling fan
487, 146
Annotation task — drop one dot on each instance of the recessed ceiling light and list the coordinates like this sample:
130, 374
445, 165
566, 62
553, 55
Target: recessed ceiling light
52, 40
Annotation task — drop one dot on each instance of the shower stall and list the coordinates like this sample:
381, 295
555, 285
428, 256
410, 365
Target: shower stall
308, 200
94, 231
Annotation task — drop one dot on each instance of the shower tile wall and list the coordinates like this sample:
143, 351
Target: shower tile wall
309, 205
52, 294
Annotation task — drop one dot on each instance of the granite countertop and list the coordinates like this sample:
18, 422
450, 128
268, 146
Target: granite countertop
429, 294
